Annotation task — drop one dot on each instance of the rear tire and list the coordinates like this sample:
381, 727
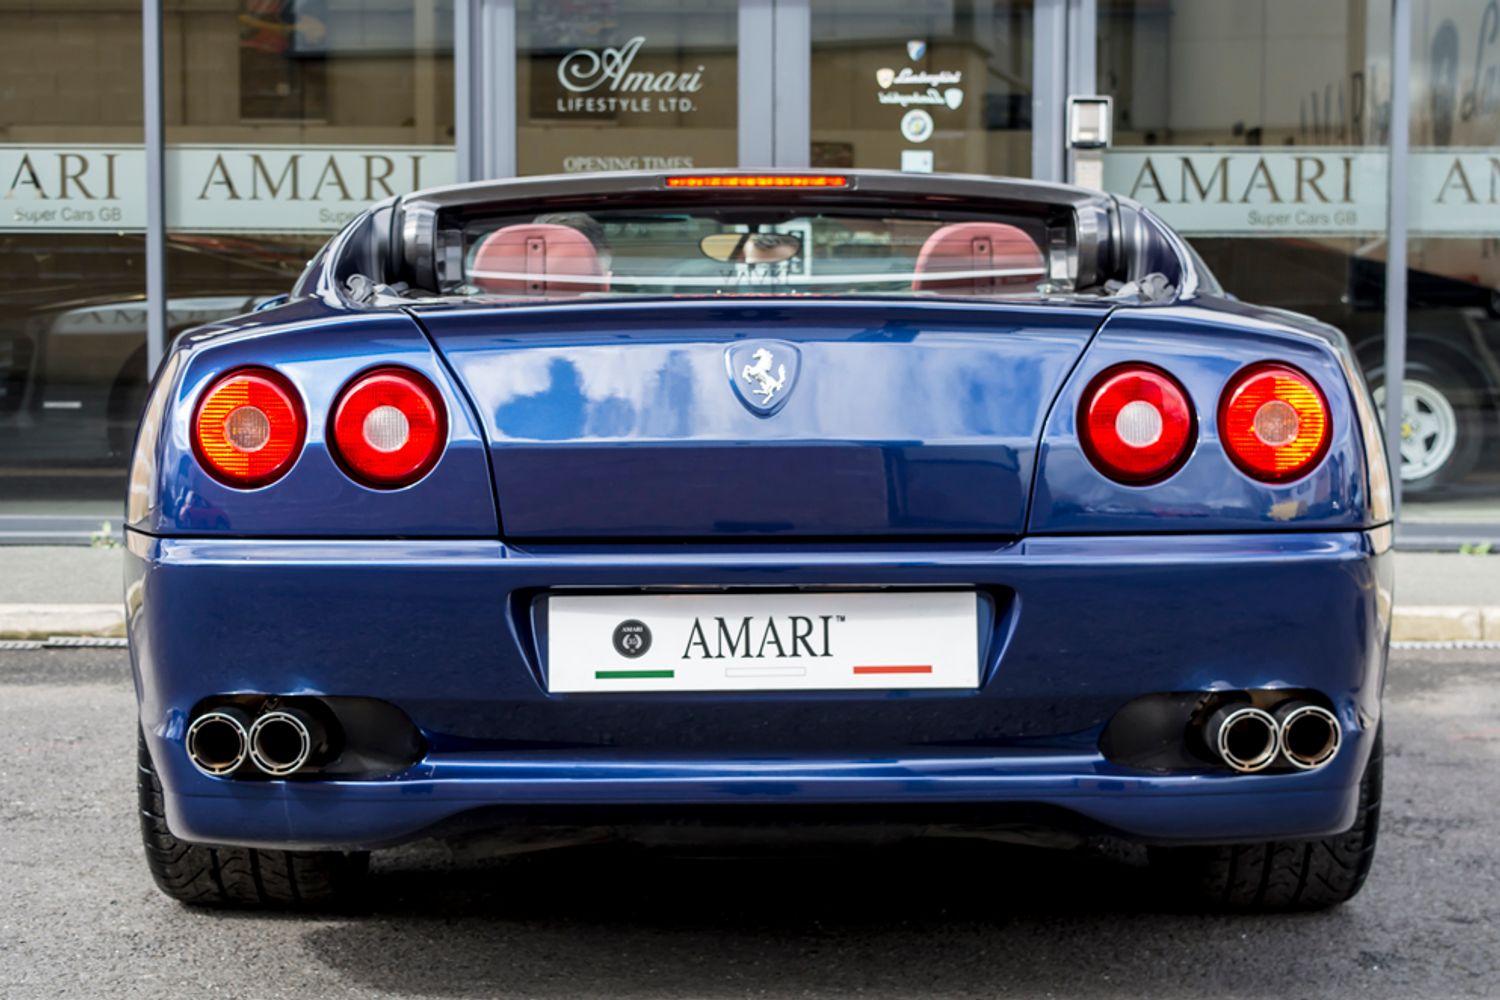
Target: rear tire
1281, 875
207, 875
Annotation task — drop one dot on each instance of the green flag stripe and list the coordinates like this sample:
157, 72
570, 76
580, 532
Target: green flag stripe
618, 675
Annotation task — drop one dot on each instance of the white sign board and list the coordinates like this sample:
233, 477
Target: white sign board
1254, 192
67, 188
1302, 191
255, 189
292, 188
1201, 190
1456, 192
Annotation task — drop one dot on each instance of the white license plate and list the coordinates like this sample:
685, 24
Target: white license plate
763, 642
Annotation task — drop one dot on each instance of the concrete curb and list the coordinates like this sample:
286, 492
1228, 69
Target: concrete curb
41, 621
1435, 623
1446, 624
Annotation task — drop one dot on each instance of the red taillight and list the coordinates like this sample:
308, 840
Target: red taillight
389, 427
759, 181
1274, 422
249, 428
1136, 424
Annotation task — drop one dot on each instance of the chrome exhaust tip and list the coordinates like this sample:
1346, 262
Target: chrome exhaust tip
1310, 735
281, 741
217, 741
1245, 738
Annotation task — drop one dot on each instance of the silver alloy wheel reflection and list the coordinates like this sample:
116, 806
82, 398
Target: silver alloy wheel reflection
1429, 427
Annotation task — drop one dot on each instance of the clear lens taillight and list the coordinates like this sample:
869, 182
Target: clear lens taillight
389, 427
249, 428
1274, 422
1136, 424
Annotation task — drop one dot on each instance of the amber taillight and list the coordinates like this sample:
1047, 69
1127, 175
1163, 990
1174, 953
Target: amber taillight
249, 428
1274, 422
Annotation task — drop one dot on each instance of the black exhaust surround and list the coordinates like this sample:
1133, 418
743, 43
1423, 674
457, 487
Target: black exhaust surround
1175, 730
348, 738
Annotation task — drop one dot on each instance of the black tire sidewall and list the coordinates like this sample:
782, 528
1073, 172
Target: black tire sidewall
1464, 397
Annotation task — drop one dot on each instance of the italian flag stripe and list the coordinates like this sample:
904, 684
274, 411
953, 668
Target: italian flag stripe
628, 675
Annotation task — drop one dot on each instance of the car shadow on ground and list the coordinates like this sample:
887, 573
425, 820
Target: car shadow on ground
948, 918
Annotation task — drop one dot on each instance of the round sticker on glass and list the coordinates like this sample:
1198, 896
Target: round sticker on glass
916, 125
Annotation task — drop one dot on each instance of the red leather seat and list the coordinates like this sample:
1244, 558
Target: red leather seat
977, 246
536, 259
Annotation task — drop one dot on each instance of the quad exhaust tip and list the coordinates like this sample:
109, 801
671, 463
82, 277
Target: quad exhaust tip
1310, 735
1245, 738
218, 741
281, 741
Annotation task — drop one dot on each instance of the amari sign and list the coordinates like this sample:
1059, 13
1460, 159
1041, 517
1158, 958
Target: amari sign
605, 81
72, 188
265, 189
1292, 191
292, 188
1287, 191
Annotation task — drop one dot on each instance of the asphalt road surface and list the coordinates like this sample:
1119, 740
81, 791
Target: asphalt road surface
80, 917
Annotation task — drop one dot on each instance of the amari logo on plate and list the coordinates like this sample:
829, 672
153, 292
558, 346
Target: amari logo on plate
632, 638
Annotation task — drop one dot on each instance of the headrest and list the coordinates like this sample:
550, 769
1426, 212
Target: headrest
977, 246
531, 258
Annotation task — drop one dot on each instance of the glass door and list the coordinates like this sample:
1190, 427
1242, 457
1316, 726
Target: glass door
1450, 427
922, 85
1259, 130
626, 85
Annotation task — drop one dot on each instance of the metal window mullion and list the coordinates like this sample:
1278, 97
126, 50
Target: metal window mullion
1083, 33
1049, 61
1396, 221
792, 91
496, 127
154, 138
465, 90
756, 50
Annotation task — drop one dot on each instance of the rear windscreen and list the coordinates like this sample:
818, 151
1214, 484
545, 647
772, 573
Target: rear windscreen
703, 251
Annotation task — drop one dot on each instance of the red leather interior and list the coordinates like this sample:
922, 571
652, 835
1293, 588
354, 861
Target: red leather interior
536, 259
977, 246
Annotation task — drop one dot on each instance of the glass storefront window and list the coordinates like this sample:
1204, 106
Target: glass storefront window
1450, 443
71, 313
284, 119
922, 85
1259, 130
626, 85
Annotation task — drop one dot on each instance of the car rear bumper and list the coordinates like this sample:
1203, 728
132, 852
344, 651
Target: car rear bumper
448, 632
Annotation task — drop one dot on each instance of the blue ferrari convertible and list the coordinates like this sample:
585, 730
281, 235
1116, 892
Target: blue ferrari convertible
585, 508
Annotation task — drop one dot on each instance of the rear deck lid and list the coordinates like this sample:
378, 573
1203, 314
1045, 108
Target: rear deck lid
691, 418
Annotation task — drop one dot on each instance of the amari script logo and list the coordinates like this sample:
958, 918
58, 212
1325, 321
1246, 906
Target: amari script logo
599, 78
